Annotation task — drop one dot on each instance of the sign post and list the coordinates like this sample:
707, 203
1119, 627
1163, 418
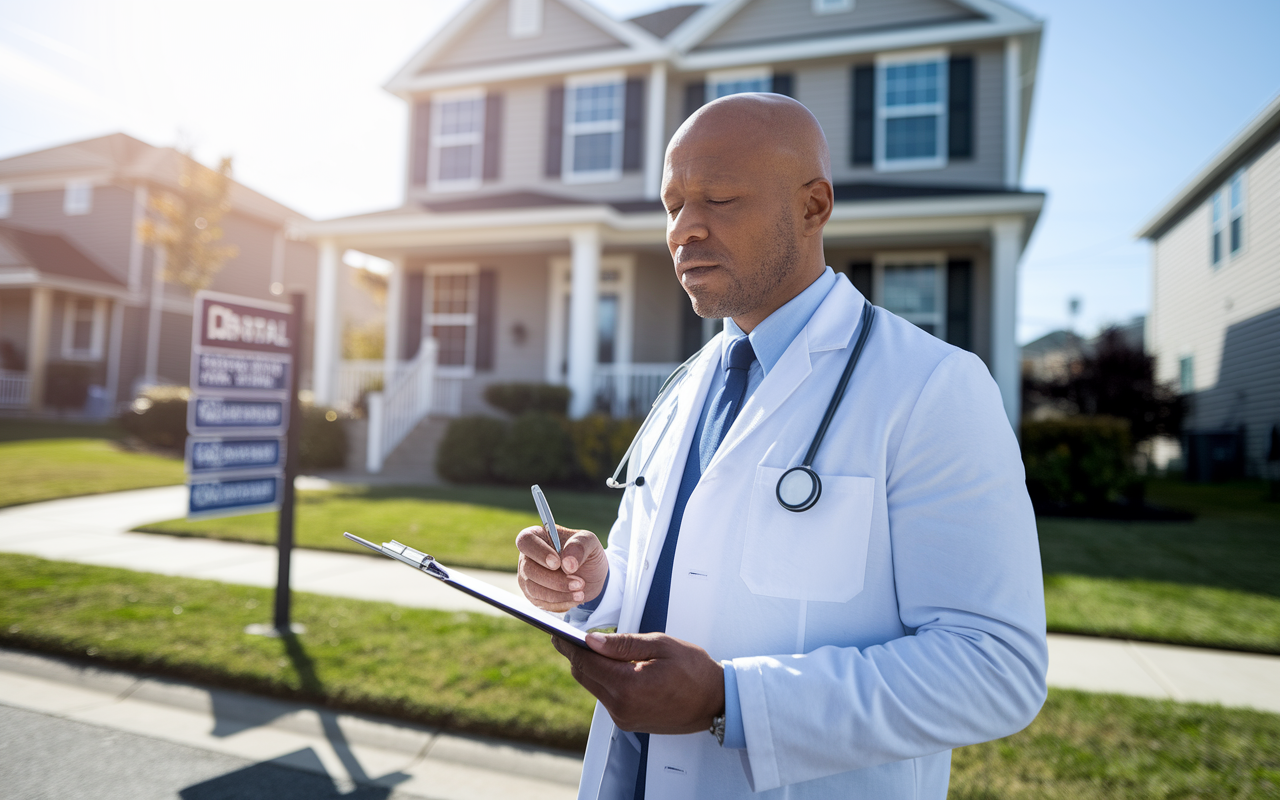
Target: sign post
243, 418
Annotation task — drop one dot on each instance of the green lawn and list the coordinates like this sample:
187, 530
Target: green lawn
467, 526
42, 460
496, 676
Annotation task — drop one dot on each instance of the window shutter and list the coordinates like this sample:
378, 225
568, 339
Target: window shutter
695, 96
860, 273
864, 115
486, 320
960, 108
421, 155
782, 84
414, 289
555, 131
633, 125
492, 136
960, 303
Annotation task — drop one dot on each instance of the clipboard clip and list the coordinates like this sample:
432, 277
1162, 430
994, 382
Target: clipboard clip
405, 553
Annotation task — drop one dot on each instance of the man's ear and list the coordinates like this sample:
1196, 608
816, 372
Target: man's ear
819, 197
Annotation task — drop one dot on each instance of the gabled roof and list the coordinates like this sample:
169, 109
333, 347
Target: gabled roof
1239, 150
118, 156
50, 254
663, 22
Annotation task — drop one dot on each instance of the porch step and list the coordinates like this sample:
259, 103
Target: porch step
414, 461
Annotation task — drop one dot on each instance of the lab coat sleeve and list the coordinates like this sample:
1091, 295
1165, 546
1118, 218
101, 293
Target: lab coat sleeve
969, 588
606, 613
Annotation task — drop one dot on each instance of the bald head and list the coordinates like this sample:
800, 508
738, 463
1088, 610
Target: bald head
747, 188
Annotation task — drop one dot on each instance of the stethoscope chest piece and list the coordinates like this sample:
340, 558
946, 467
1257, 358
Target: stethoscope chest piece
799, 489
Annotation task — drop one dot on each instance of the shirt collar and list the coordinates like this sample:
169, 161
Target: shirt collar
771, 338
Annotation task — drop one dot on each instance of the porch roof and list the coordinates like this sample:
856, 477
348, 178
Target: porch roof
50, 254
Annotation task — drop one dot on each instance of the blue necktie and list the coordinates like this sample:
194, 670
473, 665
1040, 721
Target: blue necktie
717, 422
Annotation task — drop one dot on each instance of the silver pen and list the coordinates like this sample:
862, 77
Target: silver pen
544, 511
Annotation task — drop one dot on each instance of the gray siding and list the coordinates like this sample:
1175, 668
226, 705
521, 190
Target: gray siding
487, 40
15, 316
774, 20
103, 234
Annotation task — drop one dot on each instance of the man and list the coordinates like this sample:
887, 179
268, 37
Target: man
842, 651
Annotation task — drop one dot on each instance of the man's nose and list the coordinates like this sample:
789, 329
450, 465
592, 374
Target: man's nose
687, 226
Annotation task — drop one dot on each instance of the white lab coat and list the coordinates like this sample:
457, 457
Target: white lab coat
900, 617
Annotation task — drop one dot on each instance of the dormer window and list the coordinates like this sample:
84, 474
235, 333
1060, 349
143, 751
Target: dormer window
911, 118
525, 20
78, 198
457, 140
594, 106
736, 81
832, 6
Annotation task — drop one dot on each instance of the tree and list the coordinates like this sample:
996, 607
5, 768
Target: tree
186, 225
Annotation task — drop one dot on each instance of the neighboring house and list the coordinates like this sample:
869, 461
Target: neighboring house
1214, 326
531, 241
78, 287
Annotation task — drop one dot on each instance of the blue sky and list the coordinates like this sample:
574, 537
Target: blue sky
1133, 97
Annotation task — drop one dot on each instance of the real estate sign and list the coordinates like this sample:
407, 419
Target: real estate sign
238, 415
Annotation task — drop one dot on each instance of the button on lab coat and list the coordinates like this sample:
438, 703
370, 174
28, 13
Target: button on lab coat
900, 617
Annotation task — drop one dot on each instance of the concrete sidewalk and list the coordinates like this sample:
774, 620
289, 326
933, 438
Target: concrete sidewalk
95, 530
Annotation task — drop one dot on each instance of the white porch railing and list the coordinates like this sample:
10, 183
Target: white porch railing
395, 411
15, 389
627, 390
355, 377
447, 400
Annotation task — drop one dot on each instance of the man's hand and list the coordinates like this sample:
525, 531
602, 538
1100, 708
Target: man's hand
649, 682
559, 581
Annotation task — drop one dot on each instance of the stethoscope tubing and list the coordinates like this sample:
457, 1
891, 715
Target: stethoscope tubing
868, 318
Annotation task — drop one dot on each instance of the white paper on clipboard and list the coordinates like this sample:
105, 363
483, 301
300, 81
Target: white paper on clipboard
516, 606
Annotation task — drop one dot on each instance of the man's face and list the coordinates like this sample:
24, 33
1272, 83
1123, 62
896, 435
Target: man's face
731, 224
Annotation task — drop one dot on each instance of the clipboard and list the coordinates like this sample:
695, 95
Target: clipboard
501, 599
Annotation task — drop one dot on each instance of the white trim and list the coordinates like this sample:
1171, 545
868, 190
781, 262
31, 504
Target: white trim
935, 258
327, 341
155, 305
77, 197
1007, 242
1012, 112
113, 356
938, 109
559, 292
573, 129
97, 329
524, 19
30, 277
822, 7
6, 201
137, 248
469, 319
719, 76
655, 135
438, 141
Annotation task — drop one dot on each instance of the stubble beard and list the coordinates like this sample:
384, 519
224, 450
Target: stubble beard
749, 289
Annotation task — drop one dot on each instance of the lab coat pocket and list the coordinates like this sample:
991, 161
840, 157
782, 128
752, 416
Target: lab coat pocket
819, 554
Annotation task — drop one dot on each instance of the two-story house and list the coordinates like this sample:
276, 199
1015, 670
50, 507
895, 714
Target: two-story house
1214, 325
81, 292
531, 242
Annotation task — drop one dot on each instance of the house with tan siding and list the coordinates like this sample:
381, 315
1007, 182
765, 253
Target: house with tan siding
530, 245
1214, 325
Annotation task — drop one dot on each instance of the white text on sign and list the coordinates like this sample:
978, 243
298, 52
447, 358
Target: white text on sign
225, 325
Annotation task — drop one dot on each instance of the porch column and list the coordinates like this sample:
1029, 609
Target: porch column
325, 356
655, 133
114, 345
152, 368
584, 299
1006, 250
39, 324
394, 321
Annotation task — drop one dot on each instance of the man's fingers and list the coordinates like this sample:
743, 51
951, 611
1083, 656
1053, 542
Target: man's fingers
627, 646
577, 548
535, 543
549, 599
552, 579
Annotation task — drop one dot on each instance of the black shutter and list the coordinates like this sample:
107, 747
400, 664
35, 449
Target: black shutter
421, 155
860, 273
414, 287
960, 107
863, 149
555, 131
633, 126
782, 84
492, 137
960, 303
486, 320
695, 96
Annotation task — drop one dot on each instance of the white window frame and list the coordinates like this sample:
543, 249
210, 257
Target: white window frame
470, 319
622, 283
77, 199
524, 19
574, 129
938, 259
722, 76
1234, 212
884, 113
832, 6
6, 202
98, 330
1187, 374
441, 140
1218, 227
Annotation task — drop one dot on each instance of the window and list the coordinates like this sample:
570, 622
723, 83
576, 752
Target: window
84, 326
1235, 194
593, 128
832, 6
525, 21
911, 111
78, 198
6, 202
451, 314
614, 314
1219, 223
1186, 374
457, 141
1227, 212
913, 286
727, 82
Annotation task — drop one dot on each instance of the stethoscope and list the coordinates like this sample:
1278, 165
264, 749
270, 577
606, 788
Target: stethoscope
799, 487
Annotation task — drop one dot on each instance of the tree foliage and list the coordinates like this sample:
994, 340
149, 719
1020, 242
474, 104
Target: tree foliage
185, 224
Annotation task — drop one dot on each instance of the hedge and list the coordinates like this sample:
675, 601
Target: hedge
1083, 461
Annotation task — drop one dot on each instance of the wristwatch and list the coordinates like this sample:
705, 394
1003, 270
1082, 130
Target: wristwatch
717, 729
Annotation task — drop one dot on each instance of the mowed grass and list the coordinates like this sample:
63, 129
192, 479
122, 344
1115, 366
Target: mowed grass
499, 677
465, 526
41, 460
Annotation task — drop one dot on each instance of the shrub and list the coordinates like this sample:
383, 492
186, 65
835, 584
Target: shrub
159, 417
322, 442
1077, 461
467, 451
67, 385
598, 444
518, 398
537, 450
